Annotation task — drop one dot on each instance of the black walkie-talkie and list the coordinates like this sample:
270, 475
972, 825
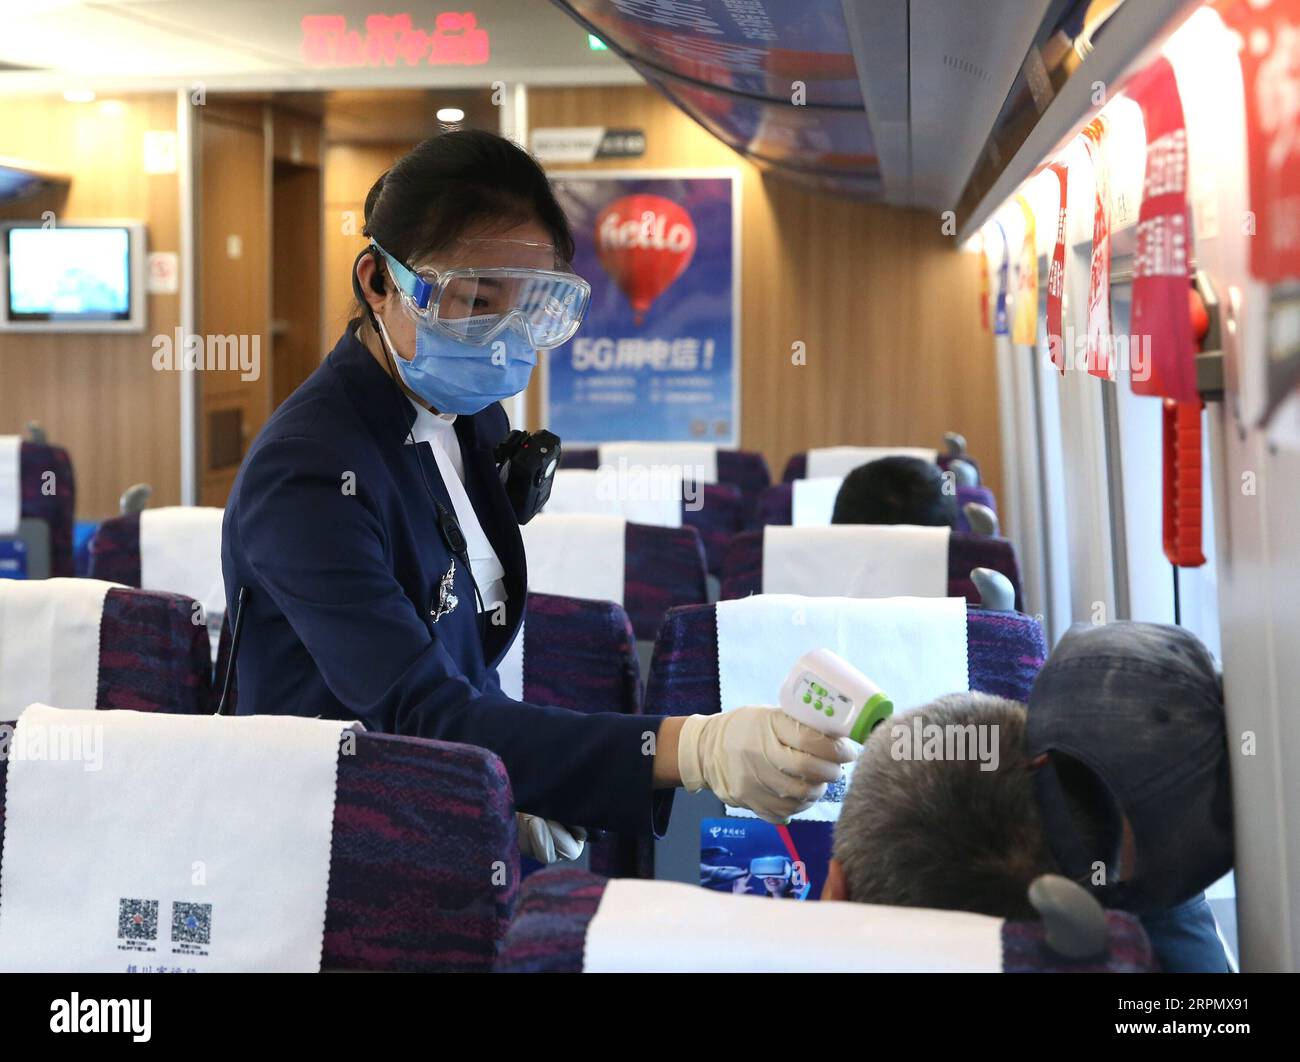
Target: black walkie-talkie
527, 462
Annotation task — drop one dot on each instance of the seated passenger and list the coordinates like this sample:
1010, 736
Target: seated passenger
962, 803
895, 490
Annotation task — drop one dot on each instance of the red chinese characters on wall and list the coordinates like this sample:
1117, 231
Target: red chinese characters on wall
392, 40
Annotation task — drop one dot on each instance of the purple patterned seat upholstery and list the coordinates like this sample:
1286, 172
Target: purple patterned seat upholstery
978, 495
115, 550
57, 506
1005, 651
797, 466
424, 861
587, 457
663, 567
776, 504
742, 574
590, 665
721, 514
549, 933
152, 656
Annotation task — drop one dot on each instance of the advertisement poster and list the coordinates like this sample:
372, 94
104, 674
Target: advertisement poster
755, 858
656, 357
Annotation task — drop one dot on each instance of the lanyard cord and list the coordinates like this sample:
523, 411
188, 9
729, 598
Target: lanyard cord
448, 527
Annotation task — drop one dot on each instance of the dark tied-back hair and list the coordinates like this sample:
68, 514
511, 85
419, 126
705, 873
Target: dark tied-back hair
456, 183
895, 490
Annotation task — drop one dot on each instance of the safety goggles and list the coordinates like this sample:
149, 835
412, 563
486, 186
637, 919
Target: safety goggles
474, 305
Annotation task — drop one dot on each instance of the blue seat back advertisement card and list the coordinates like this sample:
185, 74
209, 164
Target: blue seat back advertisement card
749, 856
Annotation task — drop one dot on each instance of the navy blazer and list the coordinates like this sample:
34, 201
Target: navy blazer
331, 528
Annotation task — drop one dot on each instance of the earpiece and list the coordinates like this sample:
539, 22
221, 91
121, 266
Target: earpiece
377, 281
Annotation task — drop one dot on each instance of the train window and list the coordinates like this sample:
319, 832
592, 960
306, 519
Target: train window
1054, 603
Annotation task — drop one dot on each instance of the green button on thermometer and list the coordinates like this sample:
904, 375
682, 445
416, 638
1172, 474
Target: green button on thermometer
826, 692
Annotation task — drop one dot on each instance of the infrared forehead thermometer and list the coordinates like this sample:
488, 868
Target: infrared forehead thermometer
826, 692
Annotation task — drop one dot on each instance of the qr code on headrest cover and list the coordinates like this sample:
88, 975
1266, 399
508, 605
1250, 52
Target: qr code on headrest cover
191, 923
137, 919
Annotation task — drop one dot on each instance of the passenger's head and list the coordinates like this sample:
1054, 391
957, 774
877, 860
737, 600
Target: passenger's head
462, 199
895, 490
941, 813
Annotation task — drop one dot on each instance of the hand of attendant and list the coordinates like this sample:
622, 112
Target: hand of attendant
548, 841
760, 759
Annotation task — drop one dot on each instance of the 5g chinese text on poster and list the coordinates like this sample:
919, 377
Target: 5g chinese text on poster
656, 356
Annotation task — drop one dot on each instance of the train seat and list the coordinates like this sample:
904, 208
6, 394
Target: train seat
646, 569
1002, 652
174, 548
761, 561
584, 659
423, 866
104, 647
777, 504
38, 500
840, 460
744, 469
570, 920
716, 510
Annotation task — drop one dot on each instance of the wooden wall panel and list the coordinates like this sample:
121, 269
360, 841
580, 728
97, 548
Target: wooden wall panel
886, 306
295, 276
234, 291
99, 395
350, 170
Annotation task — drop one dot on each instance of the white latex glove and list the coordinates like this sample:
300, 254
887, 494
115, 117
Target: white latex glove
549, 841
761, 759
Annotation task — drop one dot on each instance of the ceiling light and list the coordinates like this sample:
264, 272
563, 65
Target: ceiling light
450, 115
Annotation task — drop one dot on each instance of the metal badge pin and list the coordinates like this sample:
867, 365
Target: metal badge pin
447, 601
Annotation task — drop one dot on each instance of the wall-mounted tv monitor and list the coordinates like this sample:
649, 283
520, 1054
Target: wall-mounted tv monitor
83, 276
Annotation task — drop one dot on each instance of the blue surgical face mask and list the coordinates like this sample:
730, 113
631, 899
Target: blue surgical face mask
458, 377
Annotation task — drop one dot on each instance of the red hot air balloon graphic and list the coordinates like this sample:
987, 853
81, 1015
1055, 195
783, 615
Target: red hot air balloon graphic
645, 242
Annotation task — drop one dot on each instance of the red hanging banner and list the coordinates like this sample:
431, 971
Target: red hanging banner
1098, 351
1056, 277
1270, 69
1165, 365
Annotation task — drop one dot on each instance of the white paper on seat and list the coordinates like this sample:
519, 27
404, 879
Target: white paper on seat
11, 484
510, 669
841, 460
180, 552
856, 560
218, 828
643, 496
812, 501
668, 927
49, 642
576, 555
698, 462
912, 648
